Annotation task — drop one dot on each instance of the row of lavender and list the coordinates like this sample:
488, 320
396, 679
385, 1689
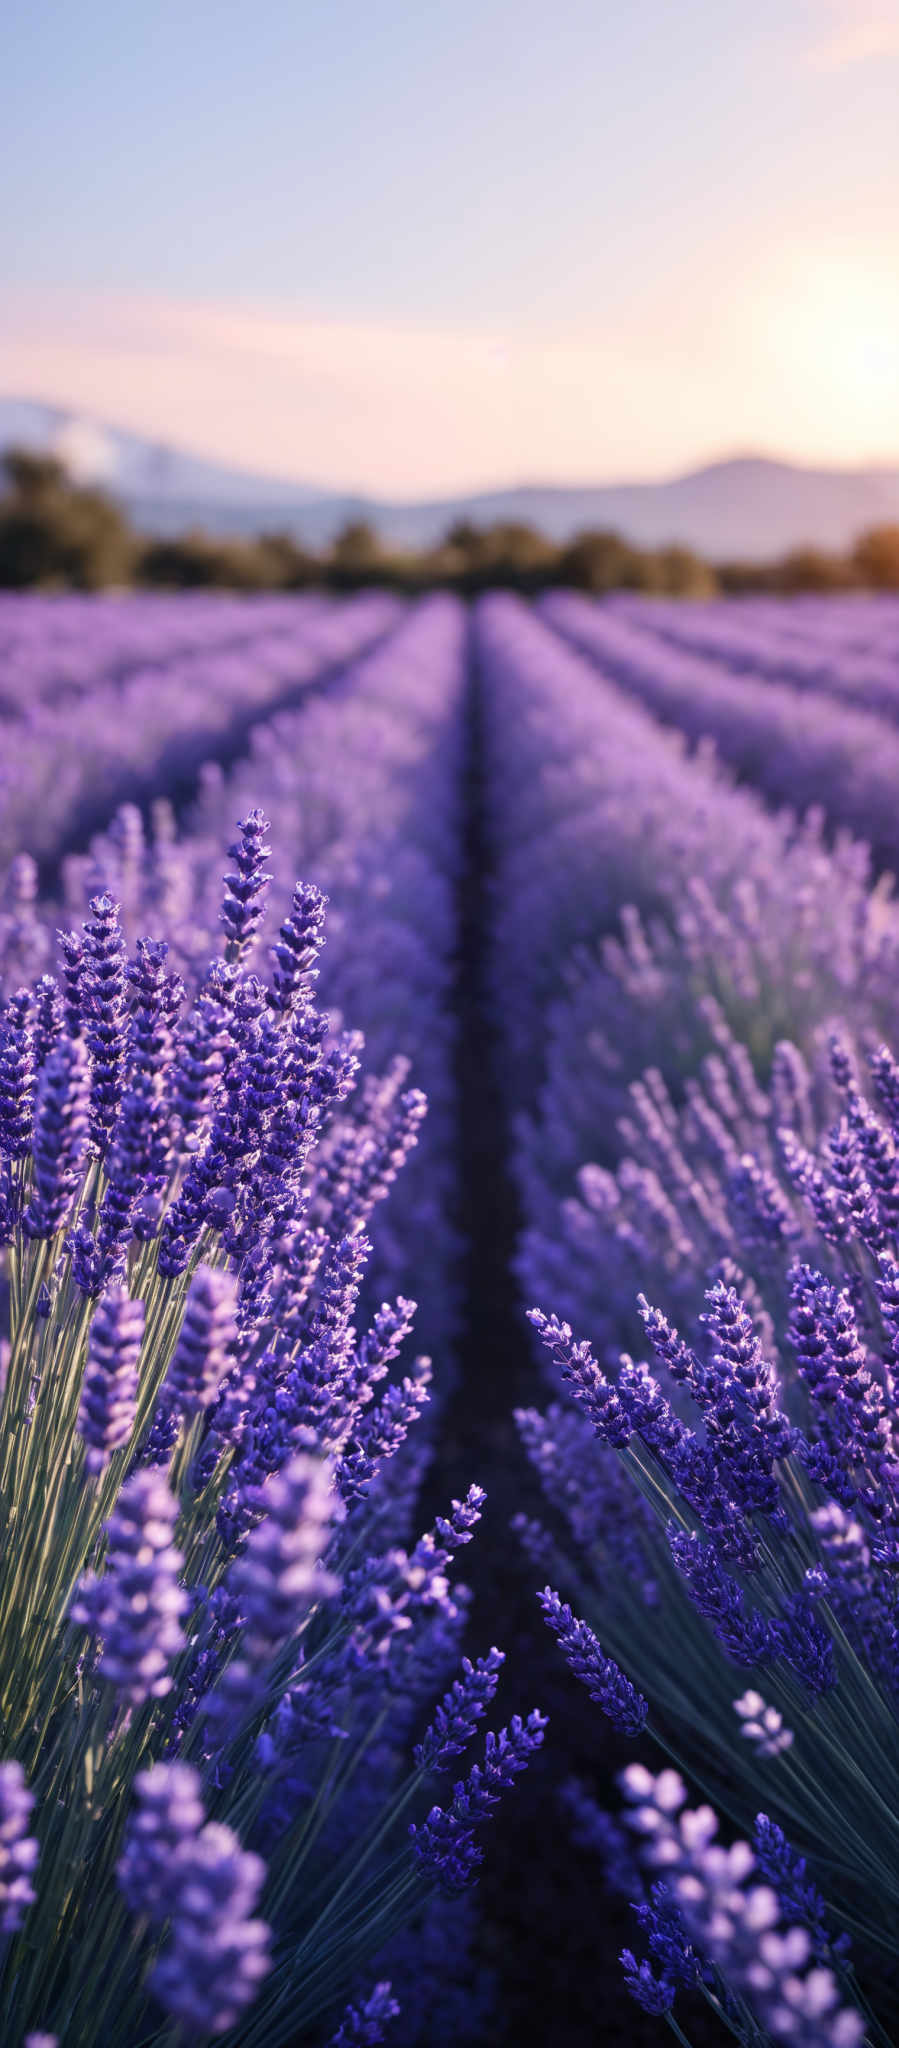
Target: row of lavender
213, 1809
692, 1120
101, 701
849, 648
799, 747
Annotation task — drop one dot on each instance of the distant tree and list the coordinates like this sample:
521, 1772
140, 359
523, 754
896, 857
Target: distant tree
33, 476
746, 579
812, 569
599, 560
876, 557
677, 572
55, 532
201, 561
356, 546
288, 566
464, 536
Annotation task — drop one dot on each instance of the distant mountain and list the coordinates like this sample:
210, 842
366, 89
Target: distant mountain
748, 506
139, 470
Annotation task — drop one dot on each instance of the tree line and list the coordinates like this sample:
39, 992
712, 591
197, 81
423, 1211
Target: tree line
58, 534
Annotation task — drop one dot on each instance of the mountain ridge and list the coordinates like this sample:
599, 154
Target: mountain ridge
749, 506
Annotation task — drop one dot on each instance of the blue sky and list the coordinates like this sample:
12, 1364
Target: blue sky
410, 248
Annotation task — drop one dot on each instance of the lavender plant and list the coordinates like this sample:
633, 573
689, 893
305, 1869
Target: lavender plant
219, 1644
362, 782
733, 1510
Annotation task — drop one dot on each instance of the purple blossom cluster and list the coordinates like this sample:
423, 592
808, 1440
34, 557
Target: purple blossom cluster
208, 1448
731, 1931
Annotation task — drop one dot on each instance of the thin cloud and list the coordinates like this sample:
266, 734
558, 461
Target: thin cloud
406, 412
854, 35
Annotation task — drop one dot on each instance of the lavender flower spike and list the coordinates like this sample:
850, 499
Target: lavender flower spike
203, 1353
60, 1137
298, 945
246, 886
103, 991
279, 1576
135, 1608
217, 1954
606, 1683
18, 1849
445, 1845
108, 1404
363, 2026
170, 1812
455, 1720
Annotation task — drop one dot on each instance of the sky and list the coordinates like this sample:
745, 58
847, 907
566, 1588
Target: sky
421, 249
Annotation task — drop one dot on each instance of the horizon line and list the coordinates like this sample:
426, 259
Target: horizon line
699, 467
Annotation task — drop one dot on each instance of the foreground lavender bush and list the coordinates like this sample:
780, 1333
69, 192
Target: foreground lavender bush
362, 783
218, 1643
734, 1512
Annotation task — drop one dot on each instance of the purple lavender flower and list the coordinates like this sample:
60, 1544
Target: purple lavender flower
297, 946
217, 1953
277, 1579
381, 1432
60, 1138
18, 1849
134, 1610
203, 1353
198, 1061
169, 1813
588, 1384
734, 1922
16, 1077
445, 1845
606, 1683
363, 2026
246, 885
49, 1020
108, 1405
156, 997
456, 1718
103, 999
782, 1866
71, 946
746, 1636
136, 1163
656, 1994
806, 1645
280, 1576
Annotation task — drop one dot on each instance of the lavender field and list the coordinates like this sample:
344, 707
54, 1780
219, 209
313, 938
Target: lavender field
449, 1442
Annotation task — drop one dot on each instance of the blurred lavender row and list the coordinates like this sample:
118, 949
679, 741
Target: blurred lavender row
658, 934
846, 648
101, 701
798, 747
